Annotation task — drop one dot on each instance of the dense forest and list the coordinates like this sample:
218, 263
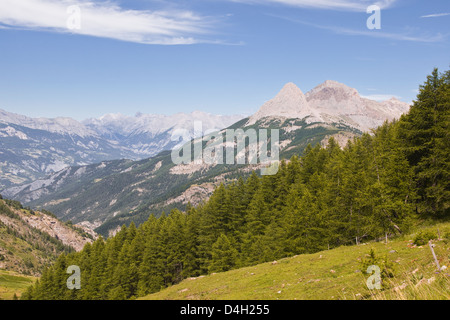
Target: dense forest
379, 184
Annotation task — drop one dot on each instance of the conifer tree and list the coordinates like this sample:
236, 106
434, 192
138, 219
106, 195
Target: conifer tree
424, 132
224, 255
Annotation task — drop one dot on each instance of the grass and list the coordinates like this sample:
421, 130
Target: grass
13, 283
331, 274
417, 288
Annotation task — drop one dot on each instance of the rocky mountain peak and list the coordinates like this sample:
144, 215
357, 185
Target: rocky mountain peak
290, 102
331, 89
330, 102
290, 88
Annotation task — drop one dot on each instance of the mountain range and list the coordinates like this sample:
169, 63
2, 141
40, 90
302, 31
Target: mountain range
104, 195
32, 148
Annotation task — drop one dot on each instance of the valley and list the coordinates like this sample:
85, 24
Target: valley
132, 190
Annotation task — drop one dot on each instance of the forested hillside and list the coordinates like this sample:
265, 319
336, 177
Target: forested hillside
378, 185
31, 240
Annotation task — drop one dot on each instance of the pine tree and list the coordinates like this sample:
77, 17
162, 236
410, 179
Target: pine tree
224, 255
425, 135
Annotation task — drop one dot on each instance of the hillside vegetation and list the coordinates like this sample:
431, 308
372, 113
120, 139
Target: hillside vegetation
13, 284
378, 186
331, 274
31, 240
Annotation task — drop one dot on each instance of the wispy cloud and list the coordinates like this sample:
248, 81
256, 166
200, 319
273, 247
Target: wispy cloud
107, 20
435, 15
378, 34
344, 5
380, 97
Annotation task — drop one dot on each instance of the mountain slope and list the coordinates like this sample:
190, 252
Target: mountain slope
31, 240
117, 192
13, 284
334, 274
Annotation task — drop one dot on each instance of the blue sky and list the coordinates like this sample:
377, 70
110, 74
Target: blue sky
218, 56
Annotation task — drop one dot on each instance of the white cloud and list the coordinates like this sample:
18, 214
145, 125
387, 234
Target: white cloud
376, 34
345, 5
435, 15
107, 20
393, 36
380, 97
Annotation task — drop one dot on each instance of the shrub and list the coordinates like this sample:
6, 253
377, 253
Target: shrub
422, 237
446, 237
386, 266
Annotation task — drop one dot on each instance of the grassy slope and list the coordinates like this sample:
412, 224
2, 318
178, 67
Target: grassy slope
13, 283
331, 274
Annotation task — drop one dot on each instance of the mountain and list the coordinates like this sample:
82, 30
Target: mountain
290, 102
108, 194
58, 125
32, 148
31, 240
148, 134
332, 103
336, 102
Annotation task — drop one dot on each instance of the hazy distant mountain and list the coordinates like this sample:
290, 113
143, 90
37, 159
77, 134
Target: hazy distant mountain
58, 125
147, 134
31, 148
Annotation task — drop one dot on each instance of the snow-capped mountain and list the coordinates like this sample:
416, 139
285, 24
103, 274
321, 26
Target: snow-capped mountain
60, 125
148, 134
31, 148
111, 124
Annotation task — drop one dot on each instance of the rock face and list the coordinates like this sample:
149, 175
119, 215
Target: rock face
57, 229
328, 103
31, 240
290, 102
337, 102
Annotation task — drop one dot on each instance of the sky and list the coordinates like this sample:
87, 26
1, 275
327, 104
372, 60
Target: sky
83, 59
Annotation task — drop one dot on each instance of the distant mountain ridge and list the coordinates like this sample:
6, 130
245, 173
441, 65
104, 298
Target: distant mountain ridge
32, 148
